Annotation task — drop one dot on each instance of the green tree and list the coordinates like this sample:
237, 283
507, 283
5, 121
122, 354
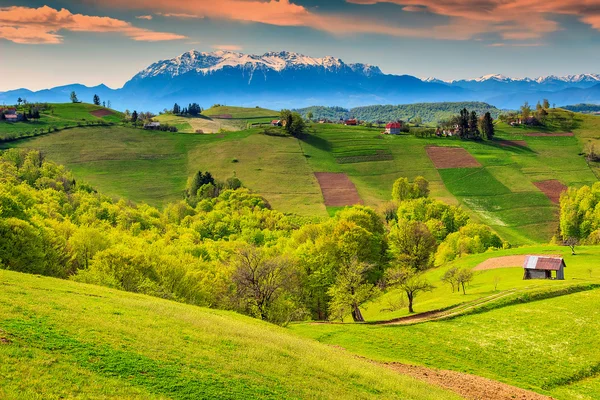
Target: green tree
487, 126
74, 98
96, 100
412, 244
309, 116
350, 290
474, 126
261, 280
546, 104
410, 282
404, 190
525, 111
134, 116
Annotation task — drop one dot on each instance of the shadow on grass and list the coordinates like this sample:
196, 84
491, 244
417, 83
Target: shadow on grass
316, 141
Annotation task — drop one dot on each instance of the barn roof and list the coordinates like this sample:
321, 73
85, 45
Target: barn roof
544, 263
394, 125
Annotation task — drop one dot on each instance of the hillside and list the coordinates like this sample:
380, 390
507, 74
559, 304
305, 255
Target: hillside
59, 116
64, 339
502, 192
430, 113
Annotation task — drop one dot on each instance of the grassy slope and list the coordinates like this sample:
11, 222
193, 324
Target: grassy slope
501, 194
241, 112
67, 340
543, 345
386, 307
59, 116
155, 166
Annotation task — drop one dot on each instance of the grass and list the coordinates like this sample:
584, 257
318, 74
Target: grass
64, 339
154, 166
58, 116
387, 306
241, 112
501, 193
549, 346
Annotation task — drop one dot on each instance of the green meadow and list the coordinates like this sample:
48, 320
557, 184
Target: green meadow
92, 342
59, 116
153, 166
549, 346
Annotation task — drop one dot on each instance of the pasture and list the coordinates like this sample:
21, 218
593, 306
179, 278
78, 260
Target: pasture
58, 117
64, 339
504, 186
549, 346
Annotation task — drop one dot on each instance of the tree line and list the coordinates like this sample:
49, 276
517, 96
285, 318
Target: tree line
223, 246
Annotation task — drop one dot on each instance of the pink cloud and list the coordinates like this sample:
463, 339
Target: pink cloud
42, 25
510, 19
227, 47
146, 17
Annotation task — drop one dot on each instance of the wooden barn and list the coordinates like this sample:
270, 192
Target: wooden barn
540, 267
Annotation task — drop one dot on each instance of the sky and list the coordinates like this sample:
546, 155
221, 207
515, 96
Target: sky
44, 44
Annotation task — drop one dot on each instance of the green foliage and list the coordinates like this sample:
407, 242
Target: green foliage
441, 218
412, 244
429, 113
350, 290
470, 239
404, 190
580, 214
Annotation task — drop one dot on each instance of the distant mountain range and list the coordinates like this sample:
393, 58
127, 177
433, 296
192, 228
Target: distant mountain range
286, 79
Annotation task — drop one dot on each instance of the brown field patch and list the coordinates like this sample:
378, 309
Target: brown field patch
506, 262
470, 387
543, 134
451, 157
101, 113
338, 190
222, 116
552, 189
513, 143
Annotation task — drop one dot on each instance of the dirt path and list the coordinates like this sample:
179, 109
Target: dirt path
470, 387
447, 313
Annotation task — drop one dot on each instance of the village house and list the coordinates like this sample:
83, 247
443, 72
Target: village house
14, 117
540, 267
394, 128
152, 125
351, 122
276, 122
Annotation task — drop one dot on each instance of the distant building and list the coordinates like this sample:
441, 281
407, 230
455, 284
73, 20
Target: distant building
351, 122
394, 128
539, 267
276, 122
13, 117
152, 125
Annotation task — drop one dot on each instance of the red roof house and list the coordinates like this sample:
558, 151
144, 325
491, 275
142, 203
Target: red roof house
393, 128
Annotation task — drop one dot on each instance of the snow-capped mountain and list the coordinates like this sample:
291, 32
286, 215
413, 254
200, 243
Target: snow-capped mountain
568, 79
277, 79
206, 63
291, 80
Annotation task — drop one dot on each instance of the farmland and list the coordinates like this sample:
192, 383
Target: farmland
89, 341
501, 192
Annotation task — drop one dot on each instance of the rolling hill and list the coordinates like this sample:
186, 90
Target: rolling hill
502, 192
64, 339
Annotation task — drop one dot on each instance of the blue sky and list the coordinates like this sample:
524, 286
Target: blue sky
45, 44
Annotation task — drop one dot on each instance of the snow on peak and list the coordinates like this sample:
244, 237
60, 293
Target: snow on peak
203, 62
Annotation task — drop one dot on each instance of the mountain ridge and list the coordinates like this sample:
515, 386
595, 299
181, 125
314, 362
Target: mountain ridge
287, 79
